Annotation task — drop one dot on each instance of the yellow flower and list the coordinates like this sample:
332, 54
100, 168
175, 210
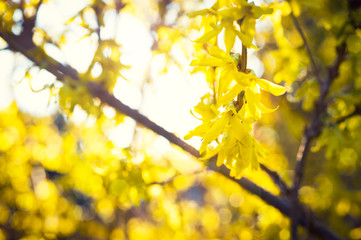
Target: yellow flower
226, 71
252, 97
227, 13
219, 58
227, 133
226, 128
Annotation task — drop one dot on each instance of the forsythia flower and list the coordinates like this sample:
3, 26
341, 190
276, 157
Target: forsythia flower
226, 129
227, 125
228, 136
227, 12
230, 82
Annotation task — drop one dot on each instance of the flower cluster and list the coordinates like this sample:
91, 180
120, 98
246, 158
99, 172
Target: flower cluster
224, 14
228, 115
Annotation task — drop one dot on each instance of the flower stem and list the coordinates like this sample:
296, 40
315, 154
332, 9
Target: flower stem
243, 69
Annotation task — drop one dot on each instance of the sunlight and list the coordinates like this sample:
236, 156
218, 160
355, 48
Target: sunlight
6, 94
167, 100
76, 163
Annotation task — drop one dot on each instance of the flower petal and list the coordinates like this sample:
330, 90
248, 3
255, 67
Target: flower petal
210, 152
238, 129
233, 13
211, 34
270, 87
199, 12
229, 37
218, 53
198, 131
221, 158
230, 95
265, 109
242, 78
214, 131
246, 40
211, 61
252, 101
224, 79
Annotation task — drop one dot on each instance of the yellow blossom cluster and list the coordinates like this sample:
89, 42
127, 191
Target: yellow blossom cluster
228, 115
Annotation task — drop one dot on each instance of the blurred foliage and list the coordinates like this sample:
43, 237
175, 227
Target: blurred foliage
61, 178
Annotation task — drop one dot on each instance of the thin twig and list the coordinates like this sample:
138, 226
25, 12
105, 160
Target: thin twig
300, 163
276, 179
243, 68
244, 59
171, 179
307, 47
357, 111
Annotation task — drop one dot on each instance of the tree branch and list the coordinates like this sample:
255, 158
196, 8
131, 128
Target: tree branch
307, 47
309, 134
300, 164
97, 90
282, 204
357, 111
276, 179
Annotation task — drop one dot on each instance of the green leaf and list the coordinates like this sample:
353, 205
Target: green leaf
354, 43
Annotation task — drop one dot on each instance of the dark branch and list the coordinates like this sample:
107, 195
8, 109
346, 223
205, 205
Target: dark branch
357, 111
276, 179
311, 133
97, 90
307, 47
316, 125
282, 204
